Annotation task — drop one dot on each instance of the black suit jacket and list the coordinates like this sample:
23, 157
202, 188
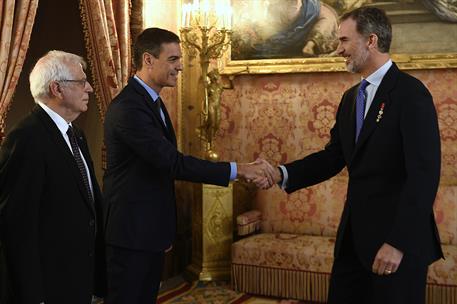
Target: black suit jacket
394, 169
48, 225
142, 165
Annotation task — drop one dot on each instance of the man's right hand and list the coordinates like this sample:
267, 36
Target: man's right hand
260, 172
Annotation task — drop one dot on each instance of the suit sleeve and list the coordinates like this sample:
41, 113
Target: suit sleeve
422, 155
139, 131
317, 167
22, 174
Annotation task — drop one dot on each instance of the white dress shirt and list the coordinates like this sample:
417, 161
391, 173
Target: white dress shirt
62, 125
374, 80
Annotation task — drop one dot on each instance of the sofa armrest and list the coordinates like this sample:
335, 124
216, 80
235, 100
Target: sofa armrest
248, 222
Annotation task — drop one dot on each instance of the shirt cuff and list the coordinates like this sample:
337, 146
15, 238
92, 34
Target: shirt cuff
285, 180
233, 171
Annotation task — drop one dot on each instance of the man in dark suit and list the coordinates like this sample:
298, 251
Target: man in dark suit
142, 166
50, 202
386, 135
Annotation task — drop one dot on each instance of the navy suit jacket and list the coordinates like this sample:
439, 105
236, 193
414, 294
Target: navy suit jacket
142, 165
394, 170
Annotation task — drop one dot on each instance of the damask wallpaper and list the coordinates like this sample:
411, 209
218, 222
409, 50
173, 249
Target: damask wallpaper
285, 117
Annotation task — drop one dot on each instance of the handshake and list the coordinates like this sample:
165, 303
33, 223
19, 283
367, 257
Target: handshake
259, 172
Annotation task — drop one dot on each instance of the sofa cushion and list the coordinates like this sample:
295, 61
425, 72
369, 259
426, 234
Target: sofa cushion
285, 251
315, 254
444, 272
314, 211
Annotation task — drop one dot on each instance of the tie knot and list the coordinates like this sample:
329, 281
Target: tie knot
70, 131
157, 103
363, 84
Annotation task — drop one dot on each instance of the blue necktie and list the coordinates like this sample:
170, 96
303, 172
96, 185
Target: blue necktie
361, 102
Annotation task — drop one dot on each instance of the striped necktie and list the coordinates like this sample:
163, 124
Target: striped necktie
79, 162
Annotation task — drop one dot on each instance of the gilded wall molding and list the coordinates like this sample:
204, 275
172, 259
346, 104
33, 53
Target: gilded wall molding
329, 64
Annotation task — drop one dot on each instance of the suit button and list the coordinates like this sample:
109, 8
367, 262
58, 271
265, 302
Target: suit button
91, 223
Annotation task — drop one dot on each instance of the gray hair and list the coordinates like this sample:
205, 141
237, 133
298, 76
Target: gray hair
53, 66
372, 20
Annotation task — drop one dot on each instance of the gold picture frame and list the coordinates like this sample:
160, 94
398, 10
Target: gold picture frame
408, 53
330, 64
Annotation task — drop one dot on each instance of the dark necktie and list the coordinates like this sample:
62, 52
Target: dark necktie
361, 102
158, 104
79, 161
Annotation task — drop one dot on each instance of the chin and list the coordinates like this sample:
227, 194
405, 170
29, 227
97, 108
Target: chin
352, 68
171, 84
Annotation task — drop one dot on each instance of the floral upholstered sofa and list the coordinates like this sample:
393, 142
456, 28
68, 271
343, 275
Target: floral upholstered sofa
292, 255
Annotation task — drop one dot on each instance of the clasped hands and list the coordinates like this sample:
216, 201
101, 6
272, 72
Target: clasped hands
259, 172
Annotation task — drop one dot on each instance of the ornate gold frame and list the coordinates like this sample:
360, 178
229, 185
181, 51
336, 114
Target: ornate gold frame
329, 64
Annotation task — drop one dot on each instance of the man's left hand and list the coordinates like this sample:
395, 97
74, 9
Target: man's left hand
387, 260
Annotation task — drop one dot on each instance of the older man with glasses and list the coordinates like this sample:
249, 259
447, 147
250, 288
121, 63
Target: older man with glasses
50, 202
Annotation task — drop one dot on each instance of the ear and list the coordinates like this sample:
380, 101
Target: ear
372, 41
55, 89
148, 59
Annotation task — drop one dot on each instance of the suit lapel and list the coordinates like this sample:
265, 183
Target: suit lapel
381, 97
61, 144
349, 132
168, 130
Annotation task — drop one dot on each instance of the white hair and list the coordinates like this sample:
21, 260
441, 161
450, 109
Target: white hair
53, 66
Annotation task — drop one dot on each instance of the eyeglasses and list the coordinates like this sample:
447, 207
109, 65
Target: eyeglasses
82, 82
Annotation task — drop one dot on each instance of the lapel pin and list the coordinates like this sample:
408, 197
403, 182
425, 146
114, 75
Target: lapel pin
380, 112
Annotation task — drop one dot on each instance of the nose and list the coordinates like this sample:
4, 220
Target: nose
179, 65
339, 49
89, 87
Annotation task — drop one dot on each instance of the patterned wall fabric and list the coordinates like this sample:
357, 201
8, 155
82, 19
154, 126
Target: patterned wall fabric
313, 211
446, 214
285, 117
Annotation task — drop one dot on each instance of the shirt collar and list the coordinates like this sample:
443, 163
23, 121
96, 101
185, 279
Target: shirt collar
150, 90
61, 123
376, 77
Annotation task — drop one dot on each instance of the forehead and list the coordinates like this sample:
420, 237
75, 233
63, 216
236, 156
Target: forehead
347, 28
76, 68
171, 49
